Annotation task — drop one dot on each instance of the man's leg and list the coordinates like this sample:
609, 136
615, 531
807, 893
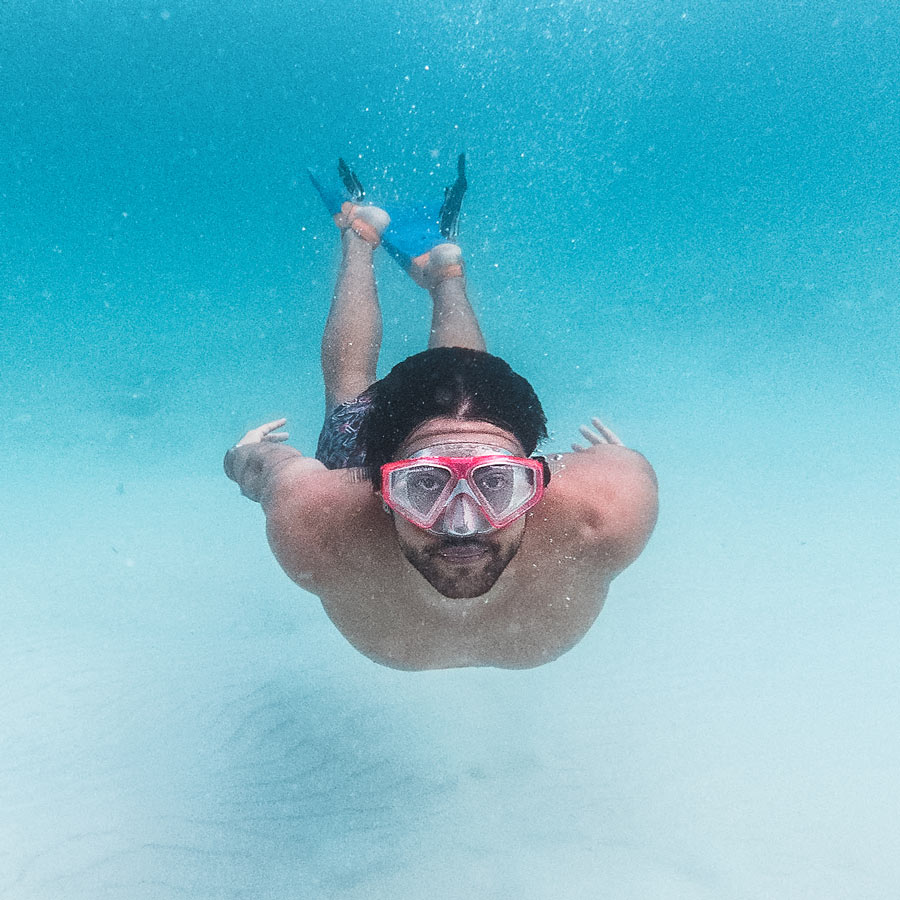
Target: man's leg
453, 321
352, 337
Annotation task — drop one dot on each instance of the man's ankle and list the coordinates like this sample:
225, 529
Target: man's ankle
442, 262
368, 222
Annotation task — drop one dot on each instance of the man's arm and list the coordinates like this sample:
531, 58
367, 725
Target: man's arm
259, 456
610, 493
312, 513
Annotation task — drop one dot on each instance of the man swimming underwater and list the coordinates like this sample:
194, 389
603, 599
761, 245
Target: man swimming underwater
431, 534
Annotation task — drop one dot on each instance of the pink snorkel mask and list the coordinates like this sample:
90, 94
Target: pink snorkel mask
460, 496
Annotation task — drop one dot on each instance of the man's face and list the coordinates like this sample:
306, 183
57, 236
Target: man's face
459, 567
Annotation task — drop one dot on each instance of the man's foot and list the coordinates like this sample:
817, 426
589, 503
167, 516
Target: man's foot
369, 222
437, 265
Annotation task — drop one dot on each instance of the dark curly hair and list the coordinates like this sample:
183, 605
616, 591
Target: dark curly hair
447, 381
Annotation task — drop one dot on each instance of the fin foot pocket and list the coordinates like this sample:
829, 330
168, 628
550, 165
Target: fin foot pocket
369, 222
442, 262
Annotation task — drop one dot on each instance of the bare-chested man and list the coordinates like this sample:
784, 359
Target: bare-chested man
430, 533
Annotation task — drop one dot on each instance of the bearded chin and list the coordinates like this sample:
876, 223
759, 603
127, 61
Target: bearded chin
460, 582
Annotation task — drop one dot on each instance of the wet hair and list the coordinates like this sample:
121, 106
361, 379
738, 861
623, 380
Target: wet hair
447, 381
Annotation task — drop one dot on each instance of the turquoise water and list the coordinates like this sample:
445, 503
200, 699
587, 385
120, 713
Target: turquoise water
682, 218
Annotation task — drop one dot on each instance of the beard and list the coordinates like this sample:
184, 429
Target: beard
461, 579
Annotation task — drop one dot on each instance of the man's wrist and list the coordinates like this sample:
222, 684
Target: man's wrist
252, 465
230, 463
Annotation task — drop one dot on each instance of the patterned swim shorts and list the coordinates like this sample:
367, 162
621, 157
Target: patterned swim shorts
337, 447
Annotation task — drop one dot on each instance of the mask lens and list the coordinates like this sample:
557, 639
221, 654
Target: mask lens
418, 489
504, 487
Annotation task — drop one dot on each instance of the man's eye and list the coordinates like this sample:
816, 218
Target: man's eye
494, 481
427, 483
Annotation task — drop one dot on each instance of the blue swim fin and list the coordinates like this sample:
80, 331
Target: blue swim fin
337, 189
415, 227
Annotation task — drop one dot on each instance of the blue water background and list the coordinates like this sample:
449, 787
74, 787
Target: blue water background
682, 217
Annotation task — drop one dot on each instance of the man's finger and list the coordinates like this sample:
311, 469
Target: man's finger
593, 438
271, 426
608, 433
277, 436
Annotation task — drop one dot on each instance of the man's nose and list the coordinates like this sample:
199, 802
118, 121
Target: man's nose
464, 517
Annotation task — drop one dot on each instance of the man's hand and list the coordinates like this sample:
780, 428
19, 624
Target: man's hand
264, 433
599, 435
253, 460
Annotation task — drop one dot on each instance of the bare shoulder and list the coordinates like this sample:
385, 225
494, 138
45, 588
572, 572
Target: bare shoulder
313, 514
609, 493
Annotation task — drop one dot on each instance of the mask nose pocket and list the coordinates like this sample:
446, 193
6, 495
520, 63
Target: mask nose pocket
463, 517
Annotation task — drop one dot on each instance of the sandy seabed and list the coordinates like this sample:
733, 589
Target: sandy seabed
179, 720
